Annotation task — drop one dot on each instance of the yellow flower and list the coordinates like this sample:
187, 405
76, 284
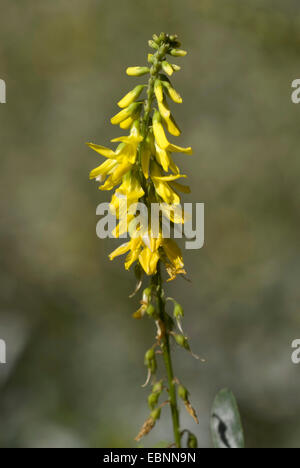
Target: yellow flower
162, 186
175, 265
168, 118
172, 93
137, 71
131, 96
161, 138
126, 113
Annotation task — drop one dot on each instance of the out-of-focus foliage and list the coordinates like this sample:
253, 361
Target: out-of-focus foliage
74, 353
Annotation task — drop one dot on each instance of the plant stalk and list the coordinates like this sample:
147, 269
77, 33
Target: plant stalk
167, 358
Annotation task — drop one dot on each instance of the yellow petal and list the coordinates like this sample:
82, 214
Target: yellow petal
172, 93
168, 178
158, 89
179, 149
126, 123
167, 68
107, 152
131, 96
172, 126
180, 187
159, 132
173, 253
148, 261
103, 169
120, 250
137, 71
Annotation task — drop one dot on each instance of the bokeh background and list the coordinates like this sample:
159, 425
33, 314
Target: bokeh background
75, 355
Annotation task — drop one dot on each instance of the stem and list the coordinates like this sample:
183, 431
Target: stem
157, 280
167, 358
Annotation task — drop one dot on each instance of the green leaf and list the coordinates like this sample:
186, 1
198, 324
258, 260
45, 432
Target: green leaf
226, 426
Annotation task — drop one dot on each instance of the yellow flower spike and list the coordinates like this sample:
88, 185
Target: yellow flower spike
178, 53
167, 68
131, 96
137, 71
172, 93
106, 152
158, 89
125, 113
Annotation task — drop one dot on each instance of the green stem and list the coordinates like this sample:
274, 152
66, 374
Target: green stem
168, 359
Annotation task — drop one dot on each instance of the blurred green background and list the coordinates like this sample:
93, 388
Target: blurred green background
75, 355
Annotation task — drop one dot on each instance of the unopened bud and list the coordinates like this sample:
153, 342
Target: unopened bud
146, 294
167, 68
153, 44
178, 311
158, 387
178, 53
152, 400
137, 71
151, 311
192, 441
182, 341
150, 360
155, 414
183, 393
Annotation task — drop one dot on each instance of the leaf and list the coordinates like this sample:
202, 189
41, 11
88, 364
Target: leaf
226, 426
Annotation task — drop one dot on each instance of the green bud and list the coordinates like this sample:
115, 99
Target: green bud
146, 294
178, 53
192, 441
155, 414
157, 387
153, 44
176, 67
137, 71
162, 36
155, 37
149, 356
151, 311
183, 393
152, 400
178, 311
182, 341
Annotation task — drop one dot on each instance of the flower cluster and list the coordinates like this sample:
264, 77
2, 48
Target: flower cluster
141, 166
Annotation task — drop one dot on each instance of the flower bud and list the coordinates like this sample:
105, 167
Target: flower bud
150, 360
125, 113
146, 294
151, 311
158, 89
155, 37
153, 44
176, 67
158, 387
182, 341
155, 414
137, 71
178, 311
131, 96
150, 58
178, 53
192, 441
152, 400
183, 393
167, 68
